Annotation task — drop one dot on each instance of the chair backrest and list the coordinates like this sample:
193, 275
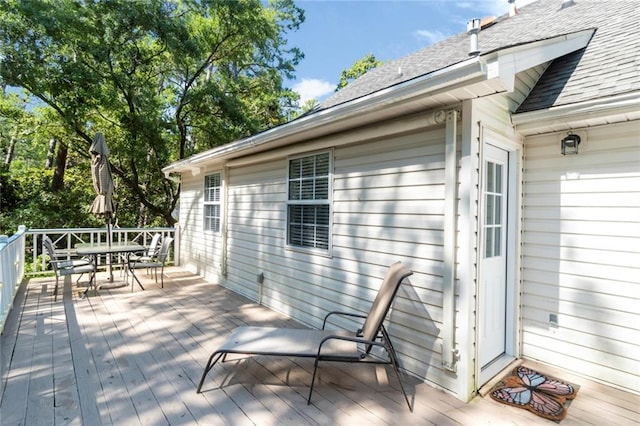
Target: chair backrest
164, 249
47, 245
396, 273
153, 246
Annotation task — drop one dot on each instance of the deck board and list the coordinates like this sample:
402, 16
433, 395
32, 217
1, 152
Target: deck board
122, 357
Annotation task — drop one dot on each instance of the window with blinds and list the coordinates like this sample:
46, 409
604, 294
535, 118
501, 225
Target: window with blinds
212, 206
308, 205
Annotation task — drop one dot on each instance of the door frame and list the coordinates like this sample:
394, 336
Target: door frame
512, 326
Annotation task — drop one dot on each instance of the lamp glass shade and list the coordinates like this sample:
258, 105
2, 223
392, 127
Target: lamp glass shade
570, 144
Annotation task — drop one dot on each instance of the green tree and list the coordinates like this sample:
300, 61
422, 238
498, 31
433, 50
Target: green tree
160, 79
27, 172
358, 68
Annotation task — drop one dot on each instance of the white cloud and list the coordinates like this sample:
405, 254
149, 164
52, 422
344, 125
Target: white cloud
466, 5
312, 88
428, 36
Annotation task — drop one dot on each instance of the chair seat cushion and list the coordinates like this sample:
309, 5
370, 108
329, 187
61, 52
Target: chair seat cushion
72, 263
81, 269
288, 342
141, 265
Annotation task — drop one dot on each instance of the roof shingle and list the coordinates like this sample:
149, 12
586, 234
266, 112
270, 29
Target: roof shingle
608, 66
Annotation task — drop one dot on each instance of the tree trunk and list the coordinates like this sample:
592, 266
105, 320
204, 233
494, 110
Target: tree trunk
50, 154
57, 183
10, 149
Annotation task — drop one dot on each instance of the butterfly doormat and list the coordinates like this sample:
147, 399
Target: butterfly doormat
541, 394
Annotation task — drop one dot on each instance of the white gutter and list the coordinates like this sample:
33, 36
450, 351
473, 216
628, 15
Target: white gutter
501, 64
464, 71
561, 117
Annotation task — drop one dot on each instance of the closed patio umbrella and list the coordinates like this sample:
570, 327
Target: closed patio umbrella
102, 205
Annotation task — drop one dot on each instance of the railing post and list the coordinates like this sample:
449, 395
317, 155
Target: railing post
176, 244
11, 270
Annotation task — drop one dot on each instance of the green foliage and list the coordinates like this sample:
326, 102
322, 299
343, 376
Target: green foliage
309, 105
30, 202
160, 79
358, 68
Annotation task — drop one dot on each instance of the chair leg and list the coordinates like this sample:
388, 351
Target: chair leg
92, 283
394, 362
55, 290
313, 380
208, 368
133, 274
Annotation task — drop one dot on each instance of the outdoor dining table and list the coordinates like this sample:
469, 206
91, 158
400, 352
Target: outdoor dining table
96, 250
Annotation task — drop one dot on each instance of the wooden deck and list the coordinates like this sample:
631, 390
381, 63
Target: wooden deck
127, 358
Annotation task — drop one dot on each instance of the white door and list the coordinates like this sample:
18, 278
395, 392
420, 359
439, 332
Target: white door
493, 280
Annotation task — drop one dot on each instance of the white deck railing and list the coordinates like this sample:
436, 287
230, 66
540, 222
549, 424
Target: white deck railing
65, 240
26, 244
11, 270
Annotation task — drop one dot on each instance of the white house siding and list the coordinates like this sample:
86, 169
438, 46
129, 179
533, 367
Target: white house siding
581, 254
388, 205
256, 233
200, 251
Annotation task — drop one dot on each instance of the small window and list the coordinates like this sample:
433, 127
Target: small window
308, 206
212, 206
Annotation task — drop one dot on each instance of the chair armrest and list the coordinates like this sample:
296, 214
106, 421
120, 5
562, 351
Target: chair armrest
344, 314
353, 339
138, 257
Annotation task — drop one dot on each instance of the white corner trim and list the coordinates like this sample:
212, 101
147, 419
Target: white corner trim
449, 350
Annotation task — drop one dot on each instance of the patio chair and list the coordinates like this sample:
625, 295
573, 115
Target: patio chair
323, 345
140, 261
147, 256
63, 266
152, 249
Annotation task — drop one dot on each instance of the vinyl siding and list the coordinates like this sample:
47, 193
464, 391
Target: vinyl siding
201, 252
256, 231
581, 254
388, 205
525, 81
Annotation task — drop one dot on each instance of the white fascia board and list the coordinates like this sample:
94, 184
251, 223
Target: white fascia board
504, 64
563, 115
469, 70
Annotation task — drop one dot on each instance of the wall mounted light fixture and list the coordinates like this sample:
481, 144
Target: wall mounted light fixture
570, 144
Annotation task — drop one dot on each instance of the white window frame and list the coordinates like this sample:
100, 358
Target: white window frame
328, 202
212, 197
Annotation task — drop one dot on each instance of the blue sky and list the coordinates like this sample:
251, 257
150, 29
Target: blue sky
336, 33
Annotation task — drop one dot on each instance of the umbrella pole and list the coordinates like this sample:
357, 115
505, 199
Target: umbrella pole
109, 269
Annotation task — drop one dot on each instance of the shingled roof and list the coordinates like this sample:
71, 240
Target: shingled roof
609, 65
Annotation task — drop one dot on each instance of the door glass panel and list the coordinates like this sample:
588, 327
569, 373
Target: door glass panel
497, 241
493, 203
